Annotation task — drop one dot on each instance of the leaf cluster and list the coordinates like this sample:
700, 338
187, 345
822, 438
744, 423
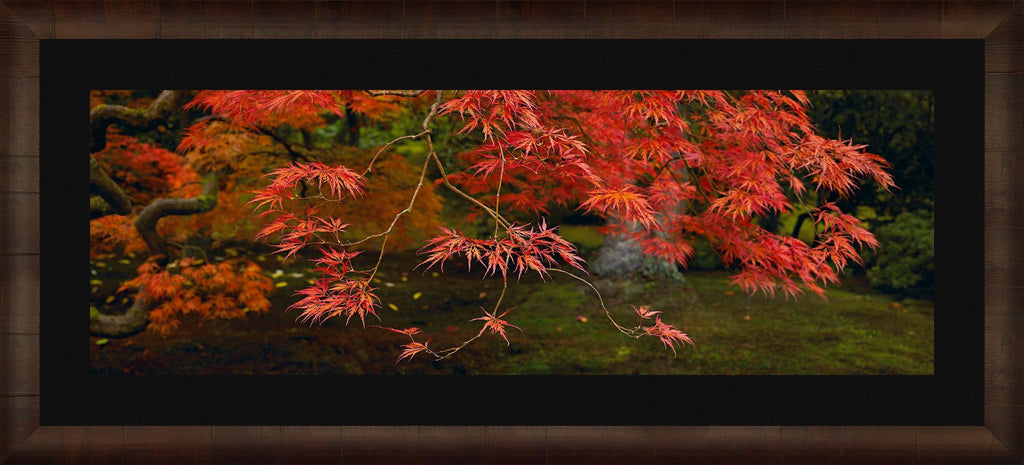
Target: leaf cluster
227, 290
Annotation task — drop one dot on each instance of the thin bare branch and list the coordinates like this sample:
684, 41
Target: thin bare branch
400, 93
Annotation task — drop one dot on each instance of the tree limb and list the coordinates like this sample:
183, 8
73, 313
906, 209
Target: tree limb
131, 322
146, 222
296, 152
403, 93
115, 199
102, 116
99, 208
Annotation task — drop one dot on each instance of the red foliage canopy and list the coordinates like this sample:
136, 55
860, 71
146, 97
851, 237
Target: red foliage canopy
662, 167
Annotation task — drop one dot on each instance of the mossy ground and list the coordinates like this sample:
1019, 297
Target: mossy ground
857, 331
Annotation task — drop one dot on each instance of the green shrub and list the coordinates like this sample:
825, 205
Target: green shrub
905, 258
705, 258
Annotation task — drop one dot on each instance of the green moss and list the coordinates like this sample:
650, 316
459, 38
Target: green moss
857, 331
97, 204
534, 367
560, 296
206, 202
584, 237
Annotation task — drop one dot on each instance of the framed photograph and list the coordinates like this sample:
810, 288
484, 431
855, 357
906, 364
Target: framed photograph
139, 399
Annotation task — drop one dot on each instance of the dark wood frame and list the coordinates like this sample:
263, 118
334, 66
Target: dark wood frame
24, 23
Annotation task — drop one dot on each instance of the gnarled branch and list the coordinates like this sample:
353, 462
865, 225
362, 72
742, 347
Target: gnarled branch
145, 223
112, 199
102, 116
131, 322
402, 93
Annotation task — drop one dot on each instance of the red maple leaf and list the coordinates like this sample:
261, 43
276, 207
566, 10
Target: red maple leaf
668, 334
495, 324
411, 349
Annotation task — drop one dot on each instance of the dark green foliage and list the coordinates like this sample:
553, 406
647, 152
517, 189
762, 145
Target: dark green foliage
896, 124
906, 255
705, 258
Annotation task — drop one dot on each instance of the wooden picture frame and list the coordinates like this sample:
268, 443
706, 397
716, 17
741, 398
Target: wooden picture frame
24, 23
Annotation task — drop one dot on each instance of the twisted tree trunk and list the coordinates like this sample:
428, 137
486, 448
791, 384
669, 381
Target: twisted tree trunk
146, 222
137, 317
110, 199
102, 116
133, 321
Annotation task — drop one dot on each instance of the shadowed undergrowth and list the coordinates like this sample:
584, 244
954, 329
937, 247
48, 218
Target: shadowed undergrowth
858, 331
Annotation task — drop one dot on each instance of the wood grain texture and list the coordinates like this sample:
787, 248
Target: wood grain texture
807, 19
19, 47
1006, 423
359, 20
550, 19
93, 445
719, 444
634, 19
1000, 243
39, 449
210, 19
508, 445
311, 445
599, 445
19, 120
998, 271
692, 18
19, 294
246, 445
863, 444
1003, 191
809, 444
36, 15
19, 227
962, 19
294, 19
1005, 45
168, 444
910, 20
19, 173
109, 19
413, 444
938, 445
23, 22
20, 365
854, 20
22, 413
737, 19
1004, 117
1003, 308
1004, 383
451, 19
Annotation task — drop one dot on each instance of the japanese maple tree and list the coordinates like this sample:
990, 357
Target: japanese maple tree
664, 168
140, 194
147, 200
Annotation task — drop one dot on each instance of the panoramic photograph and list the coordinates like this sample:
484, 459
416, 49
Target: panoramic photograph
508, 232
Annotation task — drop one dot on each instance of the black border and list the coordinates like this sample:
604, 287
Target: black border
70, 395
